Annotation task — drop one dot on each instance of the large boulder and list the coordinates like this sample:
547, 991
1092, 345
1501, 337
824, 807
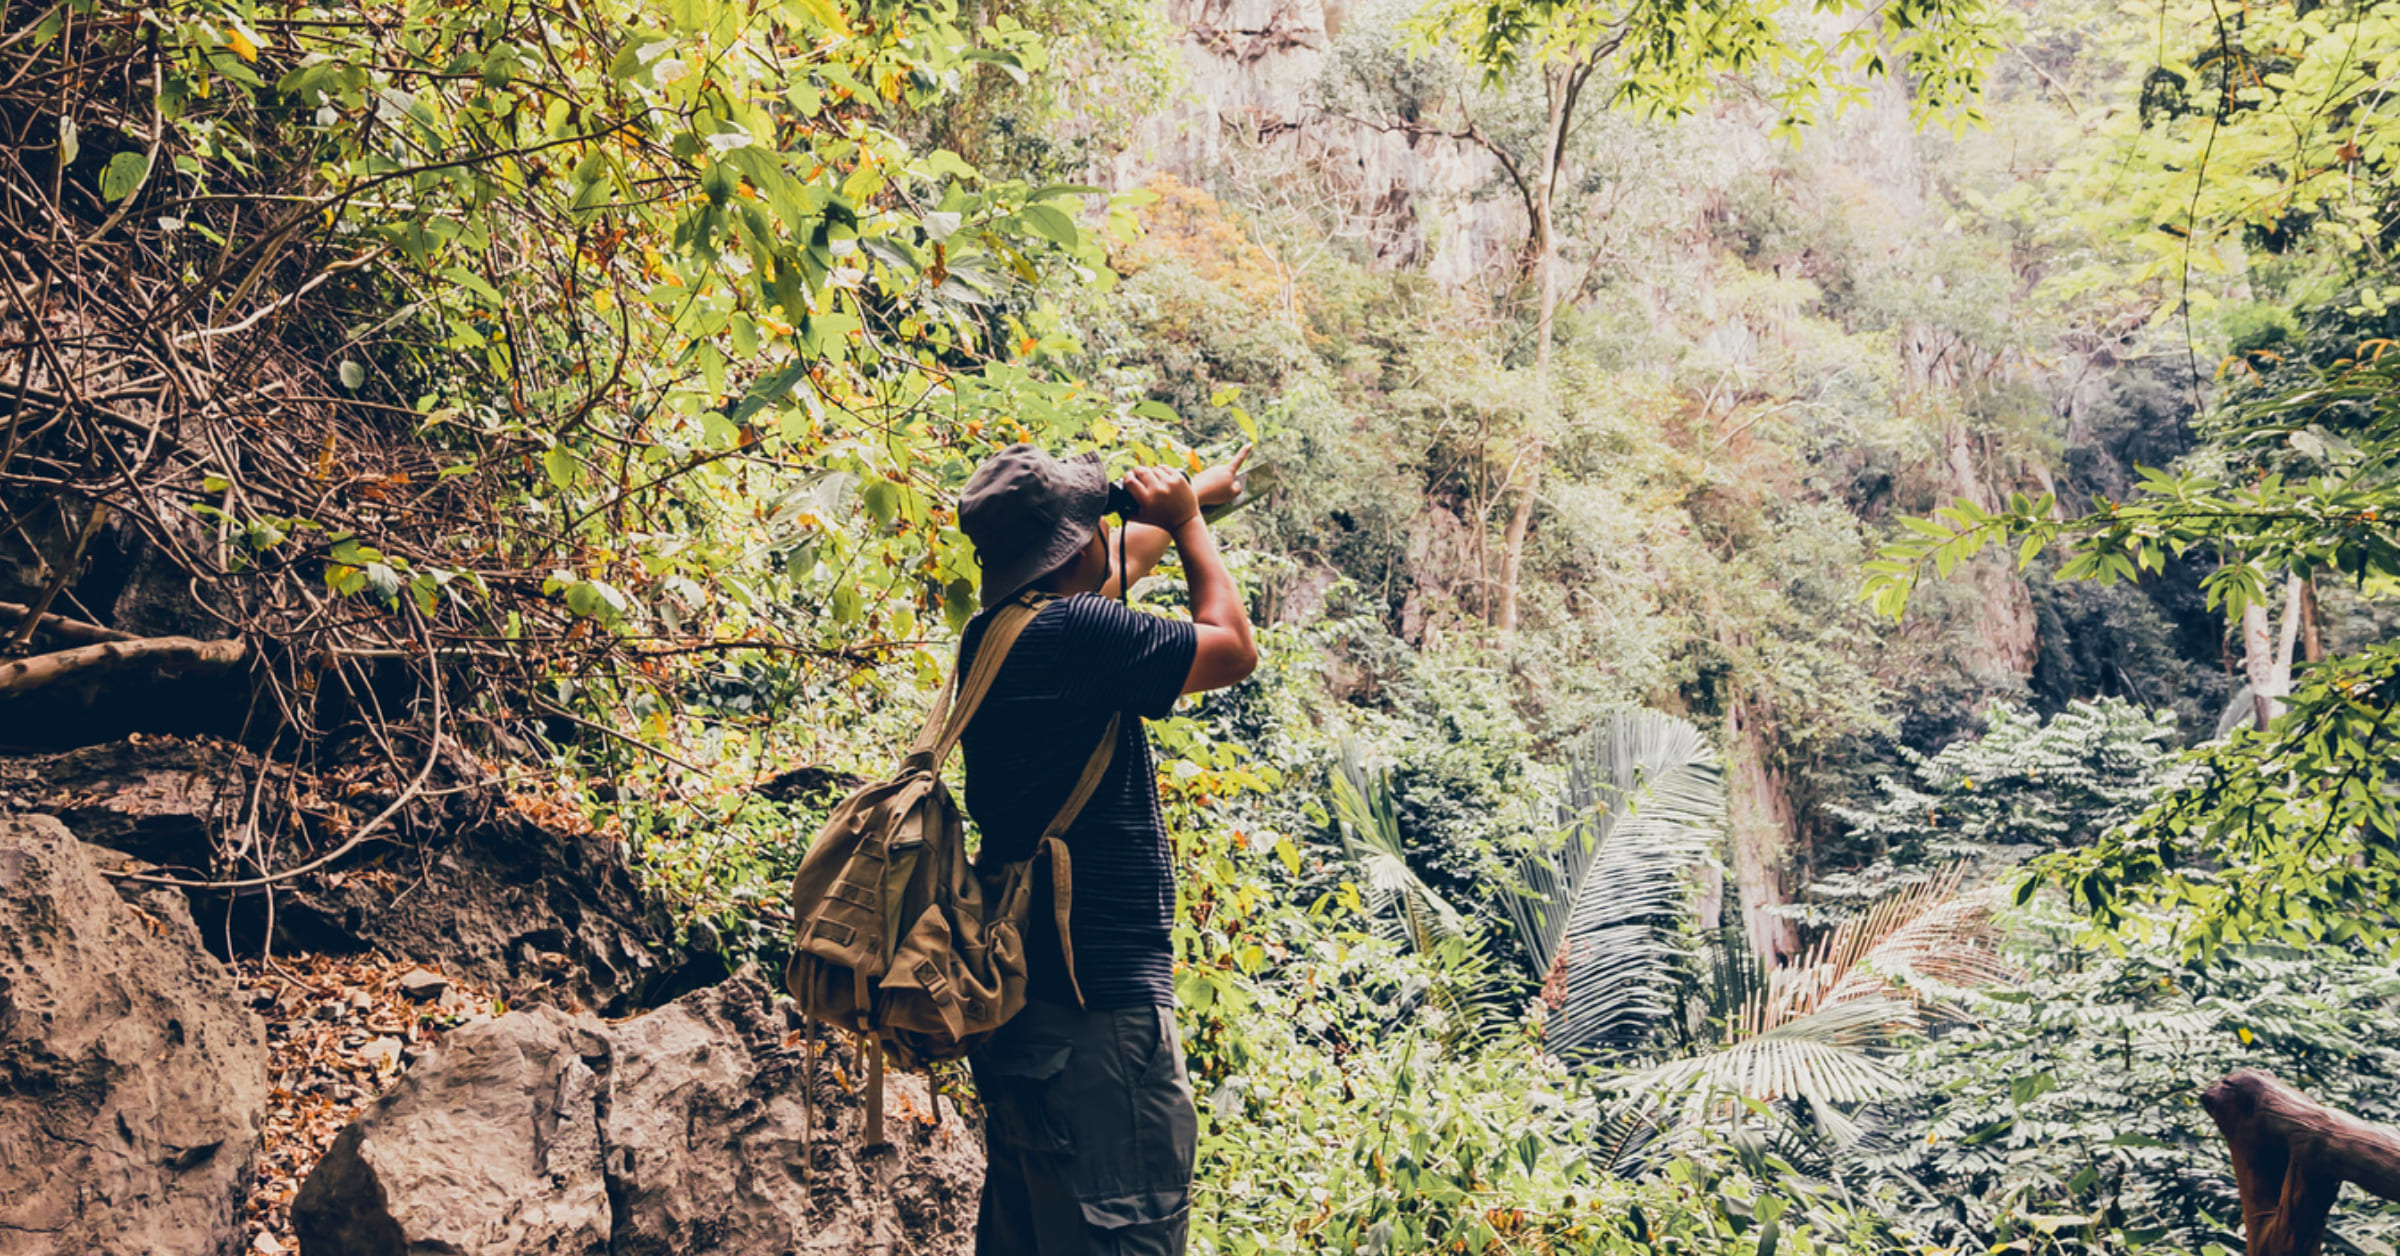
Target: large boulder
531, 909
131, 1079
696, 1128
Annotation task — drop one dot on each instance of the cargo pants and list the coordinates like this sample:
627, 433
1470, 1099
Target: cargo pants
1090, 1130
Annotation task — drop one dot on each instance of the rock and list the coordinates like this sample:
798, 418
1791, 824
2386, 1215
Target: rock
423, 986
691, 1129
809, 784
491, 1145
159, 799
537, 912
713, 1145
132, 1079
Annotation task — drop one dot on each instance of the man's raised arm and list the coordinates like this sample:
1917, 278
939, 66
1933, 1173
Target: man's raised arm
1226, 654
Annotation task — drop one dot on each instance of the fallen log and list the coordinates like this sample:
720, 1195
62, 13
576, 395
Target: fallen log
175, 655
2291, 1156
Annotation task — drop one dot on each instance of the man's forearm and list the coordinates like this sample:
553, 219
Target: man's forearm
1216, 603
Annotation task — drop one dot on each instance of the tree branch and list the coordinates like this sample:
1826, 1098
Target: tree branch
180, 654
63, 628
2291, 1156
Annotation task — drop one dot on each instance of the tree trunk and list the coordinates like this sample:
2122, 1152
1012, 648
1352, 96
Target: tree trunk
2294, 602
2312, 629
1512, 548
1528, 480
1545, 223
2258, 663
2291, 1156
1542, 208
2267, 654
1760, 828
2005, 635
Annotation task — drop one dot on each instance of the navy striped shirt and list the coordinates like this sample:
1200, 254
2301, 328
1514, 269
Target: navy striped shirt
1081, 659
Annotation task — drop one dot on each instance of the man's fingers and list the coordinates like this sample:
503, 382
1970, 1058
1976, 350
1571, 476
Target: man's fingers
1235, 467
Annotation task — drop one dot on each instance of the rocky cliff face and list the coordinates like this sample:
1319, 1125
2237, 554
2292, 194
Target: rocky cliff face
1256, 118
1252, 113
131, 1080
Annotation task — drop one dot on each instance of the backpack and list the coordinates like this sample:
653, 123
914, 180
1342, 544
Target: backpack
898, 939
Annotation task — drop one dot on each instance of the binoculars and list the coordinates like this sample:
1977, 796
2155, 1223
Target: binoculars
1126, 509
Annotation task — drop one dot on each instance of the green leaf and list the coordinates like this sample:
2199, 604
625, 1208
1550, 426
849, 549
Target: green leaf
1007, 61
958, 603
1989, 1132
825, 12
768, 389
123, 175
474, 283
882, 499
561, 466
1052, 224
593, 599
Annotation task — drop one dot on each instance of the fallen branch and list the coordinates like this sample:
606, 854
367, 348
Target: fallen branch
2291, 1156
181, 655
61, 627
61, 575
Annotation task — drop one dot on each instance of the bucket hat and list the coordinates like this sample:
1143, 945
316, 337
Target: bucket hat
1028, 513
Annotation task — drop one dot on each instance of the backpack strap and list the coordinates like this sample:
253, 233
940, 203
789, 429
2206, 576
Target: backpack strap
872, 1047
1054, 846
948, 719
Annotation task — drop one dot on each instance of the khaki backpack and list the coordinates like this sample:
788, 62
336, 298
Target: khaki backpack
898, 939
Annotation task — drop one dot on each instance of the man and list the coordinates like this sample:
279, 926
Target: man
1089, 1118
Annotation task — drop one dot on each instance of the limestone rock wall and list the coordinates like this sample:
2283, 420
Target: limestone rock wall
1251, 113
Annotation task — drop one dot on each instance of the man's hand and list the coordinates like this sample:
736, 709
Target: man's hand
1223, 482
1165, 499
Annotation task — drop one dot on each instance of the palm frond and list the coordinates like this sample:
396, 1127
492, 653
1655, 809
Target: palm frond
1468, 998
1369, 822
1625, 1140
1733, 974
1808, 1033
1933, 934
1820, 1058
1644, 804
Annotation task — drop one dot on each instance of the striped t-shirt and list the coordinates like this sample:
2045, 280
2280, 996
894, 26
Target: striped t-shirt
1081, 659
